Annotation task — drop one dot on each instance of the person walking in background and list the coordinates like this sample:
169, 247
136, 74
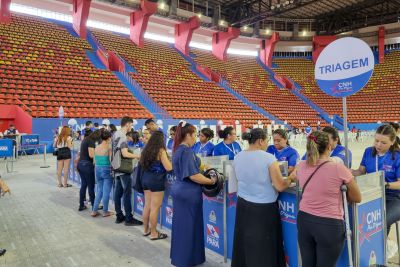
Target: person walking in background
102, 155
204, 147
258, 237
123, 182
63, 143
155, 164
321, 229
187, 241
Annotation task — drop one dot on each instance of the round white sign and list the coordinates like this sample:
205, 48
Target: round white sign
344, 67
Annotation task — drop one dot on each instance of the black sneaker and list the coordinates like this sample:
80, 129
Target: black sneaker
120, 219
133, 222
82, 208
2, 251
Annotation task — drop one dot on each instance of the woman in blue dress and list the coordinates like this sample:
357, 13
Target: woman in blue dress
229, 146
338, 151
282, 150
187, 241
204, 147
134, 140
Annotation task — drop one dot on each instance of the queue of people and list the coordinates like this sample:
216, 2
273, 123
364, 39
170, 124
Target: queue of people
258, 234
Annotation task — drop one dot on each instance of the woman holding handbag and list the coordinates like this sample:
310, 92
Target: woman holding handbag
154, 164
63, 144
320, 224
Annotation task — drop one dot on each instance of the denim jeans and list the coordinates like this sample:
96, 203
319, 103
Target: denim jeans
104, 185
392, 210
86, 172
123, 190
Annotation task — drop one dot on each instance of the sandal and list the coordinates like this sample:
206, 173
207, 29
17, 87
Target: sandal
146, 234
67, 185
159, 237
108, 213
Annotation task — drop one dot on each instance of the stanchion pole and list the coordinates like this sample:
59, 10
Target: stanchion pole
343, 188
346, 132
44, 157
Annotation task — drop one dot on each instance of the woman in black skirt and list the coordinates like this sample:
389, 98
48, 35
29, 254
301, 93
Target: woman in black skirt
258, 234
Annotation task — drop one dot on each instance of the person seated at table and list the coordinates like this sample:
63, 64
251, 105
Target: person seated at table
282, 150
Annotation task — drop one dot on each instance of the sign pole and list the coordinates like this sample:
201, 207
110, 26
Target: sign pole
346, 133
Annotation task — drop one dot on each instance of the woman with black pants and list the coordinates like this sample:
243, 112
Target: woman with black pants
320, 224
86, 167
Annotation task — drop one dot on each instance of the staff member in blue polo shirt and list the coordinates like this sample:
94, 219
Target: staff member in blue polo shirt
282, 150
385, 156
338, 151
170, 142
229, 146
204, 147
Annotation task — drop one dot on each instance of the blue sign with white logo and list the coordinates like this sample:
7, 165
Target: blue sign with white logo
6, 148
371, 233
344, 67
31, 139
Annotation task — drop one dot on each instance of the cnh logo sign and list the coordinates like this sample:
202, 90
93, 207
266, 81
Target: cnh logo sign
344, 67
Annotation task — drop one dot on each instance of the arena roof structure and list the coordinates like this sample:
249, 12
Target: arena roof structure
321, 16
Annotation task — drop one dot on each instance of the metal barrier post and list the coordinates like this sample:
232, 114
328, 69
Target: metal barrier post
44, 157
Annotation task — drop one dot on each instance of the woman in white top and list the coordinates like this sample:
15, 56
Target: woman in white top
258, 237
63, 144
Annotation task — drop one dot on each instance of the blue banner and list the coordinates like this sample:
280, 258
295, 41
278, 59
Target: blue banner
138, 203
370, 233
29, 139
6, 148
288, 211
213, 225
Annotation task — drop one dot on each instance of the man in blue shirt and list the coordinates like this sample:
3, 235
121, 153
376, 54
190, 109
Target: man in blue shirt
152, 126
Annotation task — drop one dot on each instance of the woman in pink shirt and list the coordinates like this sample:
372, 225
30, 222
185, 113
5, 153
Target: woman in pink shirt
320, 224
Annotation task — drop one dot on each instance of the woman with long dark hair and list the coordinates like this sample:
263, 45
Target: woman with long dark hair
187, 242
204, 147
63, 143
155, 164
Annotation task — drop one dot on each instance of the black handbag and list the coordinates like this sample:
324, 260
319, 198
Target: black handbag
137, 179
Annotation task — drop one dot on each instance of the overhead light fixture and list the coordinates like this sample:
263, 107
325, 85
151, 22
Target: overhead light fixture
304, 32
199, 15
245, 28
222, 22
278, 5
161, 5
287, 2
272, 7
267, 31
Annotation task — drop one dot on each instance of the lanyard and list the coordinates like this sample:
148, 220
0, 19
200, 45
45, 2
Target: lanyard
202, 146
231, 150
376, 161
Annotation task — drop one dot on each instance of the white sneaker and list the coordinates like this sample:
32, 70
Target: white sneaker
391, 249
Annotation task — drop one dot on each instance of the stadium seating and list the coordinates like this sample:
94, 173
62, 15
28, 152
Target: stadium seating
43, 67
166, 77
378, 101
251, 80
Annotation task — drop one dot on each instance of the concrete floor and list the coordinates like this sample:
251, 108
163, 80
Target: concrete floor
40, 225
